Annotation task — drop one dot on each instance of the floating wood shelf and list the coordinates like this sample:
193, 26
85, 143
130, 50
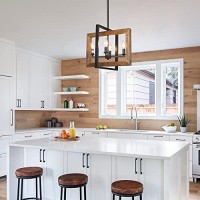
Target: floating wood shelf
81, 76
72, 109
70, 93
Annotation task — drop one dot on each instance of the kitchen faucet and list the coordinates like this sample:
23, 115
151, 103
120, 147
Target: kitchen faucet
136, 117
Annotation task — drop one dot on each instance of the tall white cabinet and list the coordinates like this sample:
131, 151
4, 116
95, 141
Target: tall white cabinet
6, 109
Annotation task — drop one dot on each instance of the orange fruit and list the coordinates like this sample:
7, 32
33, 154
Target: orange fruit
62, 133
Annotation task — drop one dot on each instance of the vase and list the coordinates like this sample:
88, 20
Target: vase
183, 129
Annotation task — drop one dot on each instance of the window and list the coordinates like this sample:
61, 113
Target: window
154, 88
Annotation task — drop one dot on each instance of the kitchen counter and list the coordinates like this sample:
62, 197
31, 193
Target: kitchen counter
112, 146
130, 131
160, 165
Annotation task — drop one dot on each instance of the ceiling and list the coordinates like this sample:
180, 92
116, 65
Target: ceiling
58, 28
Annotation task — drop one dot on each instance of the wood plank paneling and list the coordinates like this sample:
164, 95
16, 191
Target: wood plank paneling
191, 58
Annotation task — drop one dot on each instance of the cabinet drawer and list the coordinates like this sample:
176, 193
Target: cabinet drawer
26, 136
158, 137
95, 134
181, 138
4, 142
128, 136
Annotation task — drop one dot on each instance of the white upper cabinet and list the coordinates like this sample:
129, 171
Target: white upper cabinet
6, 58
34, 81
22, 80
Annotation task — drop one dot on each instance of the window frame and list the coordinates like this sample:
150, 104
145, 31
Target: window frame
159, 80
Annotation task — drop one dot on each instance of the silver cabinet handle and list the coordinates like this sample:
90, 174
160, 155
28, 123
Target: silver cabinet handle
141, 166
41, 104
20, 103
158, 136
87, 161
83, 160
17, 103
43, 155
46, 133
97, 133
11, 117
135, 165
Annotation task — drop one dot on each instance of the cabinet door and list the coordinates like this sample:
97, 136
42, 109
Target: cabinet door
151, 176
3, 164
6, 116
36, 83
76, 163
54, 168
99, 173
47, 84
34, 157
26, 136
6, 59
22, 80
128, 136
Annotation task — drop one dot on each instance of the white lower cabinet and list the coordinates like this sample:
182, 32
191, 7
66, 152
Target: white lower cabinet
52, 164
149, 172
98, 169
128, 136
3, 164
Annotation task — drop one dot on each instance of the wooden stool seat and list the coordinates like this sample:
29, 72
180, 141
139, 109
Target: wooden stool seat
29, 172
127, 187
72, 180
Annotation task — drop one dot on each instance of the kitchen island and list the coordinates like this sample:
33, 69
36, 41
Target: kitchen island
161, 166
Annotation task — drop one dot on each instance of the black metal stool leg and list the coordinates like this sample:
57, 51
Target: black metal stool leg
113, 197
36, 186
61, 193
21, 188
80, 193
133, 198
40, 188
18, 187
141, 197
84, 192
65, 194
120, 197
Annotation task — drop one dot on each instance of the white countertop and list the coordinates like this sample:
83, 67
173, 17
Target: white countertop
112, 146
129, 131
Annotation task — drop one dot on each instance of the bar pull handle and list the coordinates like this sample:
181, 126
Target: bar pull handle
158, 136
28, 136
87, 161
11, 117
199, 157
43, 155
141, 166
20, 103
180, 140
83, 160
41, 104
40, 155
135, 165
17, 103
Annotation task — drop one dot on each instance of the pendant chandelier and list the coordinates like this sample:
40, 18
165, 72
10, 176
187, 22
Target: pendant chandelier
108, 49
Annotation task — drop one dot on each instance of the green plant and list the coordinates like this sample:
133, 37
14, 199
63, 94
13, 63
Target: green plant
183, 120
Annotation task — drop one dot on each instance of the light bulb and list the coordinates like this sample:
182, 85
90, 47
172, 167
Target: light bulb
123, 45
92, 45
110, 48
106, 43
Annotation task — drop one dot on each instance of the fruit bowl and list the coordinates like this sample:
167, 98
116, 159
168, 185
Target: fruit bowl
169, 129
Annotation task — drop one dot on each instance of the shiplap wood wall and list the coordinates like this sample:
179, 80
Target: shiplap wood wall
191, 58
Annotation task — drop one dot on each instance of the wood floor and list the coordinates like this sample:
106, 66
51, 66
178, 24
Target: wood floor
194, 190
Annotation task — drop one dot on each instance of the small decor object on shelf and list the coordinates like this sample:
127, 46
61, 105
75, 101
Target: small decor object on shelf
184, 121
65, 103
71, 103
170, 128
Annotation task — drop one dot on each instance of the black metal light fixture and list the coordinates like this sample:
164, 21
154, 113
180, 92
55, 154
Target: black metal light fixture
107, 59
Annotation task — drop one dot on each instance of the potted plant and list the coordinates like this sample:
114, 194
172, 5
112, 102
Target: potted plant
184, 121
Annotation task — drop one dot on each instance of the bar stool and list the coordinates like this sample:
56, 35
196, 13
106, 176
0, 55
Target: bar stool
29, 173
127, 188
74, 180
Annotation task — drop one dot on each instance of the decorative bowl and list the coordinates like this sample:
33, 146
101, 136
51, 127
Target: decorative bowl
169, 129
65, 89
73, 89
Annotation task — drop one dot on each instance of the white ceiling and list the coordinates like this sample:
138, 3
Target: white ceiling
58, 28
